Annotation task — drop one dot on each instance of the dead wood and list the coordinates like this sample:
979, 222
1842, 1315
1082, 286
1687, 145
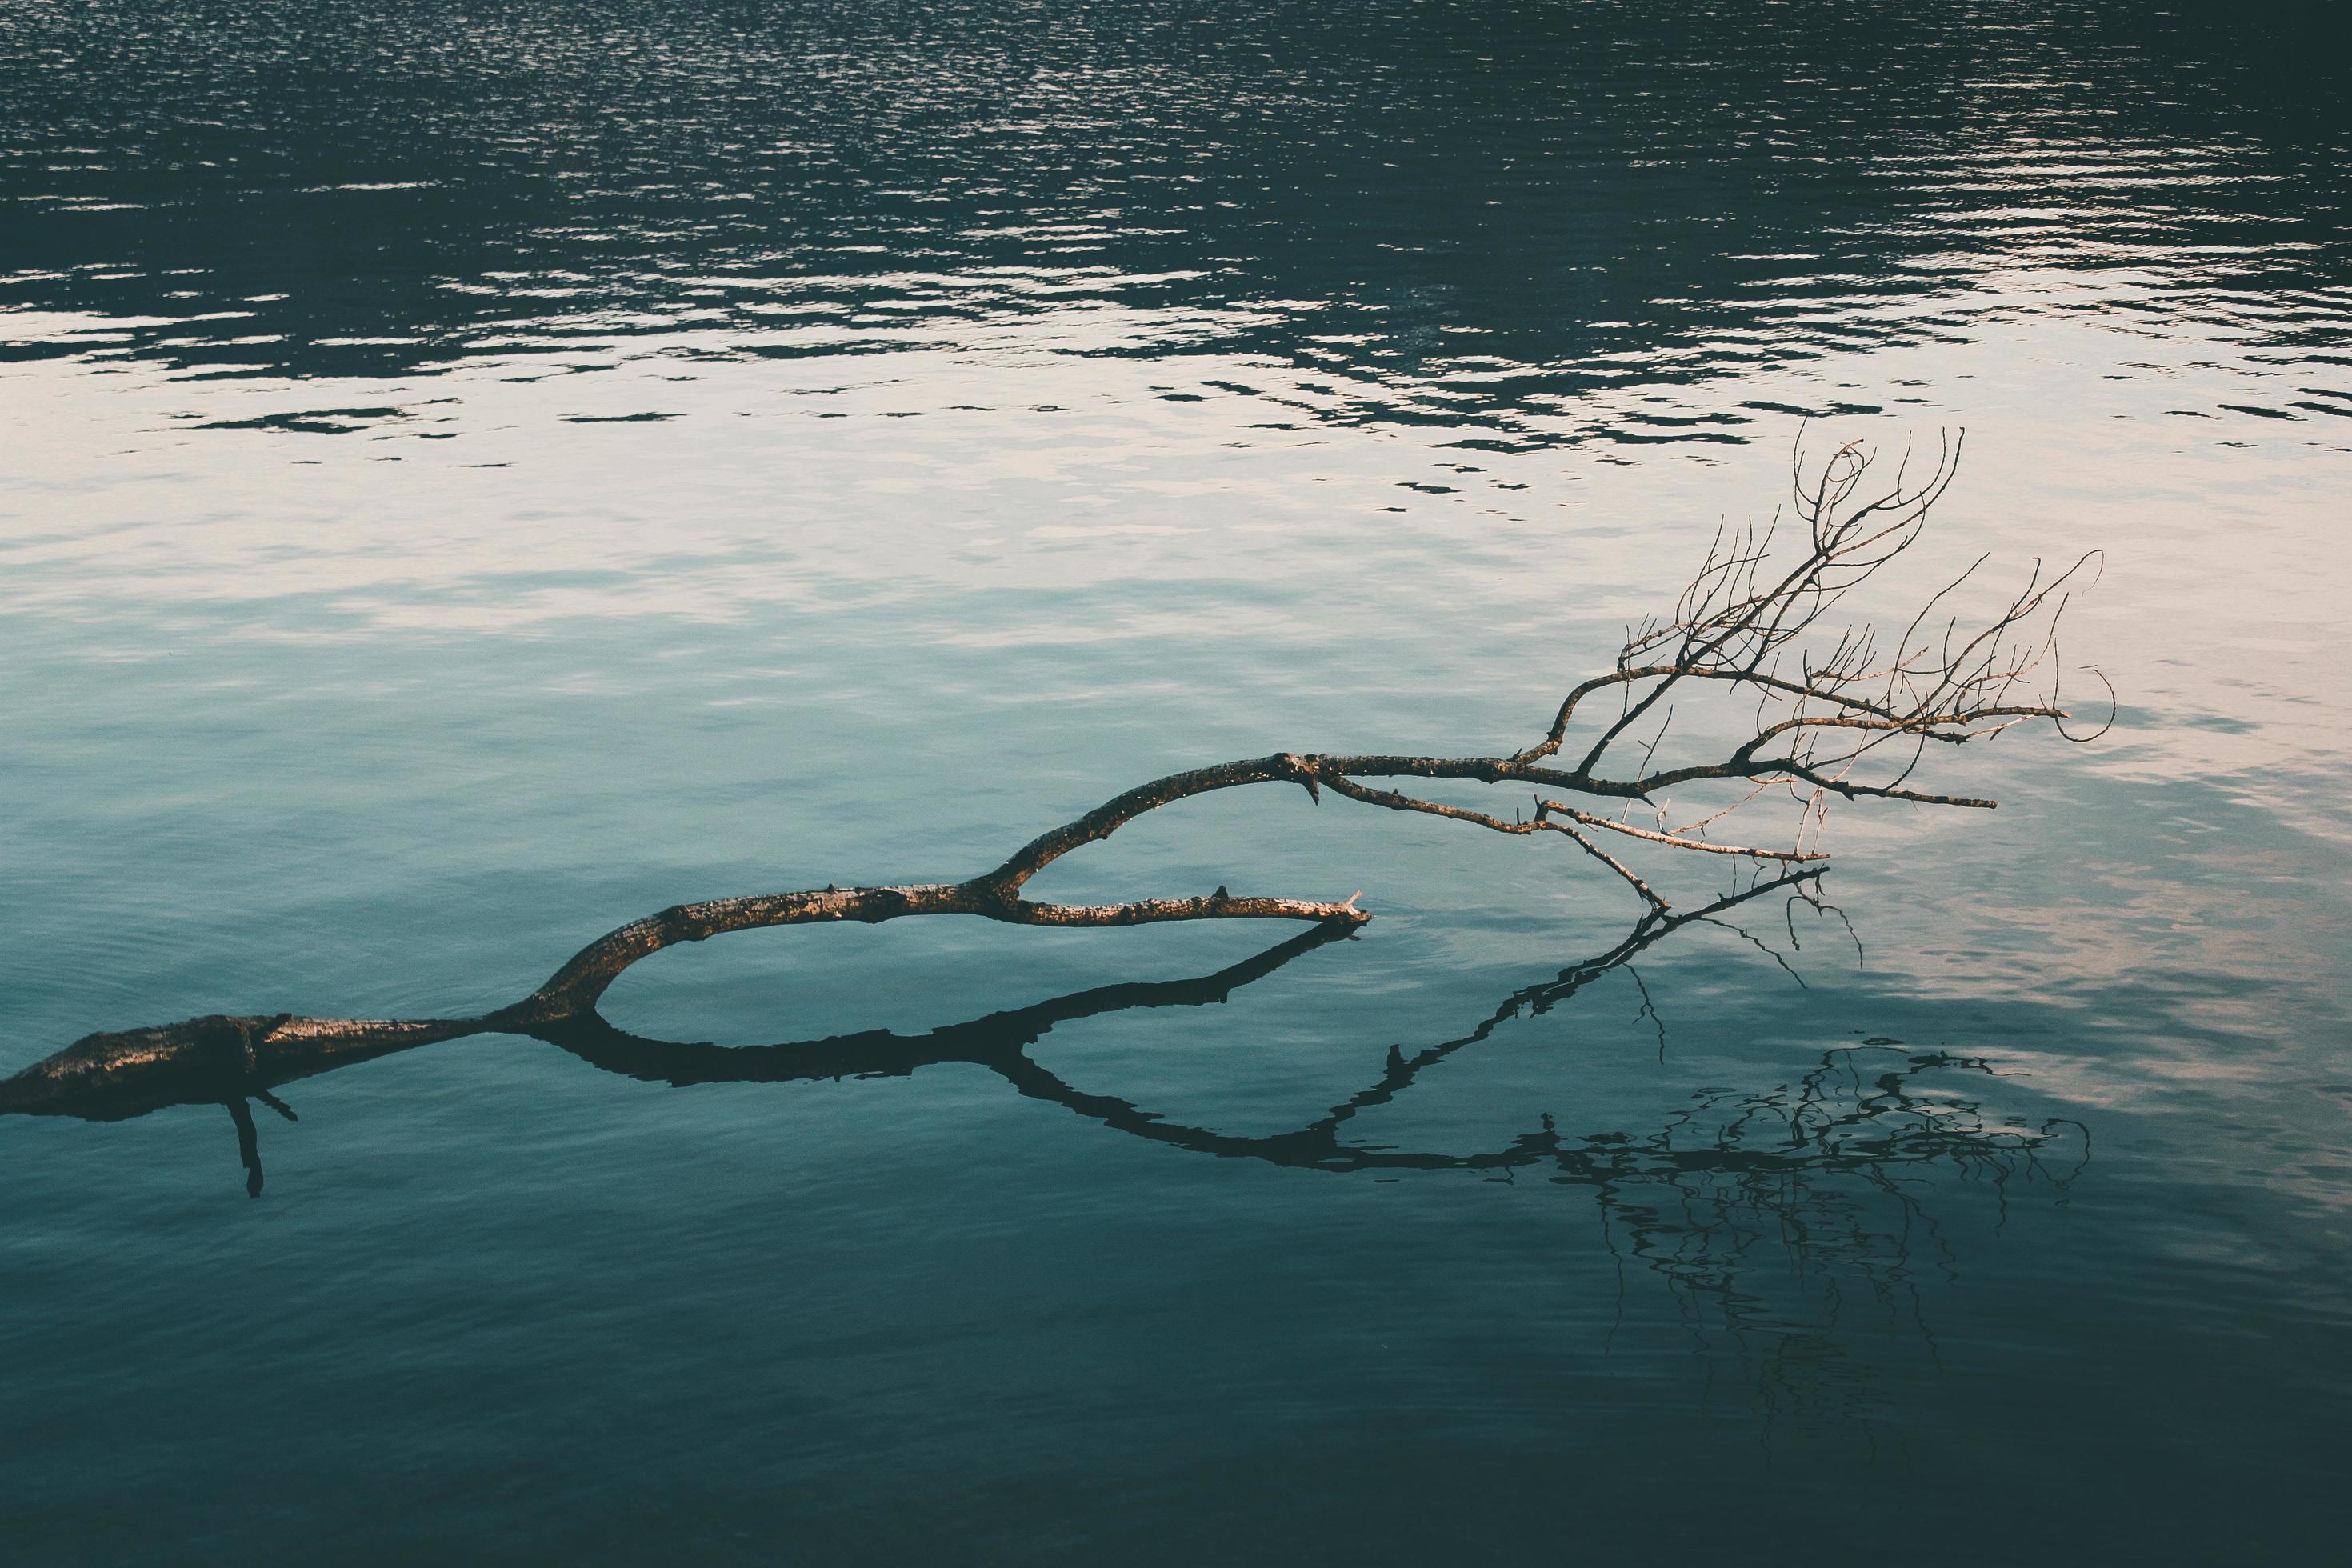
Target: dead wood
1850, 716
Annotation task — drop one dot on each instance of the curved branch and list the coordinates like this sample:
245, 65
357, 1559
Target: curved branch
575, 987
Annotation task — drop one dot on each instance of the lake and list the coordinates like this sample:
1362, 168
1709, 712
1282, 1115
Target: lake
478, 474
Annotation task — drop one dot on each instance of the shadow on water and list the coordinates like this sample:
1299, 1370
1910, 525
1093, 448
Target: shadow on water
1772, 1216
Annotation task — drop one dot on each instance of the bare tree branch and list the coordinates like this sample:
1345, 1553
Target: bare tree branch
1738, 626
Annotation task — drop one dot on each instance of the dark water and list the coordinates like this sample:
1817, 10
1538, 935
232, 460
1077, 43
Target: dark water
479, 473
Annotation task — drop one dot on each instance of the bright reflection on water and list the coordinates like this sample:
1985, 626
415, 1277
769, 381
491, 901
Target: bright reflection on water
480, 474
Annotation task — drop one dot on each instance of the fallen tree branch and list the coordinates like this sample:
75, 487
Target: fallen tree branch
1737, 631
1745, 1148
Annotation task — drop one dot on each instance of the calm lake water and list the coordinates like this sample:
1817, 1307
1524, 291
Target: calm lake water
478, 473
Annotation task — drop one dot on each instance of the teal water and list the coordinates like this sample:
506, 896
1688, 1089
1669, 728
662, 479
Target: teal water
478, 474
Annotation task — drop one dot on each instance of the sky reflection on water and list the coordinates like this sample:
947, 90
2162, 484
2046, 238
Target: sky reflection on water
482, 474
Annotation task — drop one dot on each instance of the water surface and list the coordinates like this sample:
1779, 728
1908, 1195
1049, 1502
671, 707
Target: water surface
481, 473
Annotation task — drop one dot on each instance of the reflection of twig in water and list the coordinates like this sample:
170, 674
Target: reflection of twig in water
1832, 1158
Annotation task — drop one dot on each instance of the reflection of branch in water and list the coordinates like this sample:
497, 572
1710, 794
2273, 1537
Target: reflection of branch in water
880, 1053
1883, 1129
1739, 1202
